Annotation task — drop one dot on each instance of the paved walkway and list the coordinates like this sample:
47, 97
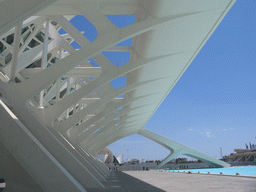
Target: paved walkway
155, 181
169, 181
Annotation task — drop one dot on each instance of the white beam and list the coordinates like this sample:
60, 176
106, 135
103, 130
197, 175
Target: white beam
109, 108
179, 149
44, 60
15, 50
56, 110
108, 96
100, 44
101, 125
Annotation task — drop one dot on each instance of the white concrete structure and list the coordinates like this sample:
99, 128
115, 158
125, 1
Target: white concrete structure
57, 111
105, 155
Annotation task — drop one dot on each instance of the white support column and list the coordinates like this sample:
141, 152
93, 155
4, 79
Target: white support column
15, 50
45, 48
58, 80
57, 90
102, 166
68, 89
74, 109
44, 60
89, 162
33, 156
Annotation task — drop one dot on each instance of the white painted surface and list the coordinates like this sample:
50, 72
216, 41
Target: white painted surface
77, 114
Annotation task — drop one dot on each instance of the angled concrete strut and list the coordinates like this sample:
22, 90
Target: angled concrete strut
177, 149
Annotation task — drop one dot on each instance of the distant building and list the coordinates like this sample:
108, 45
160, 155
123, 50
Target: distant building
241, 155
135, 161
105, 155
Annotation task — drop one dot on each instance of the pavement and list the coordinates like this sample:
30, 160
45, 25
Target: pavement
156, 181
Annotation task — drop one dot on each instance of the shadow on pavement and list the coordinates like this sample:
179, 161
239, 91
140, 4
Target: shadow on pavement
124, 182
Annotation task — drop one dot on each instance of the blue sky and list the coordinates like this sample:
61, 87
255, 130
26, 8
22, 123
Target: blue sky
213, 104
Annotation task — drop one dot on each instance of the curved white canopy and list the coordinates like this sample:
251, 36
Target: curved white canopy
68, 108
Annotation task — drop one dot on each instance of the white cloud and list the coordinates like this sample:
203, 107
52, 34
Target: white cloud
208, 134
230, 129
190, 129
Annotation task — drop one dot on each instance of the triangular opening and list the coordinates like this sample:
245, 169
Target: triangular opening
122, 20
119, 82
93, 62
118, 58
75, 45
83, 24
